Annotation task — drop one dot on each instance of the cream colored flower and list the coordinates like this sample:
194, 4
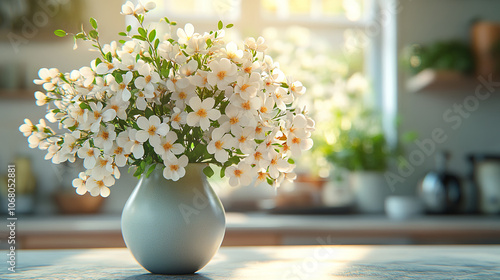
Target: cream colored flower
202, 113
174, 167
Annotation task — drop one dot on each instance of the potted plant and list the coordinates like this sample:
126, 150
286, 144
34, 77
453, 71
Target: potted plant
354, 141
169, 107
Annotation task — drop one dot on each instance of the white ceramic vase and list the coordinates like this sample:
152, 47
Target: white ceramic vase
173, 227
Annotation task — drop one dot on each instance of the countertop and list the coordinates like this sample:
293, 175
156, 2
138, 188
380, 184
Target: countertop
258, 229
283, 262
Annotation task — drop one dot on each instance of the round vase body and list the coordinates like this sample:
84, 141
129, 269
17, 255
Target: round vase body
173, 227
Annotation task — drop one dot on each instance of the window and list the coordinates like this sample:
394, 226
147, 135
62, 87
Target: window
320, 42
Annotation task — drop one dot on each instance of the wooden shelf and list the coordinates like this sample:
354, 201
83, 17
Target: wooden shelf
441, 81
24, 94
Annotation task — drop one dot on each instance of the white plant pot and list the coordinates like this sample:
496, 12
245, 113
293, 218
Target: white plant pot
370, 190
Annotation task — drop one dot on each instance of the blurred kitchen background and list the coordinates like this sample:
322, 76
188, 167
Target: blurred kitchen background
404, 94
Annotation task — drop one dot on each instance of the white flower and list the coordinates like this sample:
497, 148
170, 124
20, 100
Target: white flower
185, 34
100, 187
48, 78
129, 9
105, 138
189, 68
107, 67
232, 52
282, 98
149, 79
174, 167
244, 138
220, 144
247, 86
88, 74
80, 183
151, 129
203, 112
27, 128
98, 115
258, 45
258, 158
129, 63
240, 175
297, 88
41, 98
235, 118
167, 147
277, 165
116, 103
119, 152
178, 118
102, 168
223, 73
122, 88
89, 155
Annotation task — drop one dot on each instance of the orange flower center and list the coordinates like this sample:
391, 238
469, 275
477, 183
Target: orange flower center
174, 167
105, 135
246, 105
218, 145
238, 173
202, 113
167, 146
234, 120
244, 87
118, 151
148, 78
221, 75
152, 130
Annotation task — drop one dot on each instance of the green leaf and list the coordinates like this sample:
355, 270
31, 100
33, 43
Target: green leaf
229, 25
142, 32
221, 25
60, 33
118, 77
291, 161
129, 28
167, 20
138, 171
173, 23
223, 172
80, 36
121, 41
93, 22
122, 34
139, 37
269, 181
157, 42
208, 171
109, 57
148, 113
150, 170
85, 106
93, 34
152, 35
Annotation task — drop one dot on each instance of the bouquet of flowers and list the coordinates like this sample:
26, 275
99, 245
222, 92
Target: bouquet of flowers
153, 101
